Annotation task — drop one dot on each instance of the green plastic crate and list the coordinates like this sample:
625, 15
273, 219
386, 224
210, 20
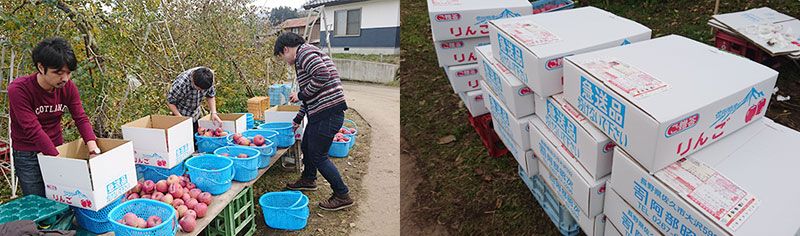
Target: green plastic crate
48, 214
238, 218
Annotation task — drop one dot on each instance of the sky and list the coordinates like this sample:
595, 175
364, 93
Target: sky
277, 3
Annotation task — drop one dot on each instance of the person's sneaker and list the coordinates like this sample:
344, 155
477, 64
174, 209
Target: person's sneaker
337, 202
302, 185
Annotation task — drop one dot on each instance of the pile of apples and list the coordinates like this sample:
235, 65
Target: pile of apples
546, 8
211, 133
339, 137
258, 140
189, 202
241, 155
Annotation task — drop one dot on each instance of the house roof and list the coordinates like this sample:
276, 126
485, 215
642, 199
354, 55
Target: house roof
295, 22
315, 3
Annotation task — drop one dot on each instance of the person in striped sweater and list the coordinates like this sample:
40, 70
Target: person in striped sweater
323, 104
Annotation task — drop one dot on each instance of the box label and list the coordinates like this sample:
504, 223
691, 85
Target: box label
705, 188
604, 110
452, 45
499, 113
511, 57
629, 220
448, 17
117, 188
564, 129
664, 213
556, 166
624, 77
529, 34
493, 80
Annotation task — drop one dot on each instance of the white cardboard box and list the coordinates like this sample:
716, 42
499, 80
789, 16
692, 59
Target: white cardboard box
512, 92
458, 52
682, 95
612, 230
160, 141
579, 185
464, 78
517, 127
74, 179
459, 19
474, 102
584, 141
513, 147
236, 123
755, 167
630, 222
533, 47
591, 225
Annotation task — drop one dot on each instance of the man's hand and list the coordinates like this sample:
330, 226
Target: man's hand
216, 120
92, 145
293, 98
295, 126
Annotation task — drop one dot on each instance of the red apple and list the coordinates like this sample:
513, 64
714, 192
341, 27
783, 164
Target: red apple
188, 223
190, 185
137, 188
176, 190
182, 210
190, 213
177, 202
133, 196
225, 154
253, 145
236, 136
204, 197
218, 132
223, 134
193, 193
191, 203
185, 197
129, 218
201, 209
200, 131
167, 198
242, 155
352, 131
148, 186
173, 179
259, 140
157, 196
244, 141
153, 221
161, 186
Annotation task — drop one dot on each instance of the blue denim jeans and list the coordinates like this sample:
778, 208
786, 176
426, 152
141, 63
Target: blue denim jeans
26, 165
317, 139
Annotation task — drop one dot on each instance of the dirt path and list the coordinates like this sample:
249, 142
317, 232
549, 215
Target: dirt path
380, 107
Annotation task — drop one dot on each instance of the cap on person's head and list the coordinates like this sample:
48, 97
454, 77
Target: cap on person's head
54, 53
288, 39
203, 78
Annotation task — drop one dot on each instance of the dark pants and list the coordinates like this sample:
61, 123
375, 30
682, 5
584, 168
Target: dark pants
26, 165
317, 139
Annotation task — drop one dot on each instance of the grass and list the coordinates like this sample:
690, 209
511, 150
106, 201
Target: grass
389, 59
470, 193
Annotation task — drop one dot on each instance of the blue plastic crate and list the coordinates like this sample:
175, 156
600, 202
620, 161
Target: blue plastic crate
542, 4
558, 213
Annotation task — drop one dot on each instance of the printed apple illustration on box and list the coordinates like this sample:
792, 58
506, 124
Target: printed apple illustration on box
754, 110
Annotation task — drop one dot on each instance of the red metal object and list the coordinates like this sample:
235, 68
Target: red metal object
483, 125
742, 47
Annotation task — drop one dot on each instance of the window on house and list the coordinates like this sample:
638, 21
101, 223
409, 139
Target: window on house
347, 22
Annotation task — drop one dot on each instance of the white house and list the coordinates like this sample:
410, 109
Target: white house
360, 26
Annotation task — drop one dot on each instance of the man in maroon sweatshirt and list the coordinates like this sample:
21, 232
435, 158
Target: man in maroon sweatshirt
36, 103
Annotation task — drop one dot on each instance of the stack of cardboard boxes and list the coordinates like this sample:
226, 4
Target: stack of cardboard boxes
581, 109
522, 72
458, 26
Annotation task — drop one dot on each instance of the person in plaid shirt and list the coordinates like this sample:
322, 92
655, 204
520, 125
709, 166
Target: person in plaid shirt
188, 91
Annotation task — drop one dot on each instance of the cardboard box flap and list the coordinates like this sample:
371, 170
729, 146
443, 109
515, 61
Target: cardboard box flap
224, 116
695, 74
119, 152
596, 26
178, 136
146, 127
285, 108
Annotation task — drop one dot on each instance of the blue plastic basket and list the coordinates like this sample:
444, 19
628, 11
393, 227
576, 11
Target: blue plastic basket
339, 149
266, 152
351, 136
245, 169
211, 173
97, 221
155, 173
144, 208
209, 144
285, 133
285, 210
558, 213
542, 4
